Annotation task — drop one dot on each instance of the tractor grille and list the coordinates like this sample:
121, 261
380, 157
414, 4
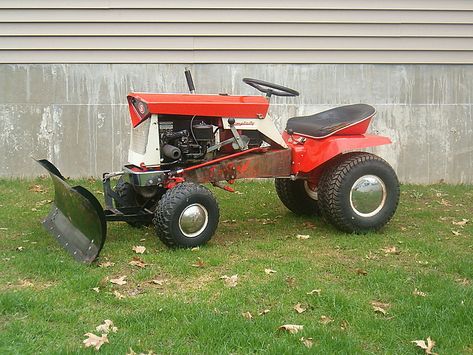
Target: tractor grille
139, 137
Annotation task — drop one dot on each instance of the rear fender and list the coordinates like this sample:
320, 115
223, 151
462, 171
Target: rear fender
312, 153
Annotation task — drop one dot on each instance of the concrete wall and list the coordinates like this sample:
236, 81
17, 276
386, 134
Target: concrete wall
76, 114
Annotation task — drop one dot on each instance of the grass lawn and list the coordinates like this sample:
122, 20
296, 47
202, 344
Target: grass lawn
419, 269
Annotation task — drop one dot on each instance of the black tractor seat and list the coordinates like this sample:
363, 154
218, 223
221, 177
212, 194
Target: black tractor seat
326, 123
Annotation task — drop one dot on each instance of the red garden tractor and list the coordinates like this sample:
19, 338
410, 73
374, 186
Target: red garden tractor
181, 141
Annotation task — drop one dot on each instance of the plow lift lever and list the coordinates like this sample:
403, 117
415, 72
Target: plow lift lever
190, 82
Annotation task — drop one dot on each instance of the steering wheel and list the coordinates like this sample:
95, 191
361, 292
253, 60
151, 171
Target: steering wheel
270, 88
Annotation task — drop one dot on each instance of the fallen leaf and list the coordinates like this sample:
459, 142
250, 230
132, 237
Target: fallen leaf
456, 233
308, 342
427, 347
461, 223
309, 225
139, 249
20, 248
137, 262
119, 281
291, 328
302, 236
269, 271
95, 340
445, 203
391, 250
195, 249
106, 264
106, 327
344, 325
416, 292
316, 291
96, 289
361, 272
36, 188
143, 240
247, 315
118, 295
325, 320
263, 312
159, 282
380, 307
199, 263
230, 281
299, 309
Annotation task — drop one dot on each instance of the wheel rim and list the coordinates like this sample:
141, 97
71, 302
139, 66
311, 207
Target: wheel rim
368, 195
312, 193
193, 220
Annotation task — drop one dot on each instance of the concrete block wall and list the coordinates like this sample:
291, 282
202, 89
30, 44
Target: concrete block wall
76, 114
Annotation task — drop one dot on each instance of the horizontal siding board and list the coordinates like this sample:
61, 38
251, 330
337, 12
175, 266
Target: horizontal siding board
95, 56
234, 29
210, 31
236, 15
235, 43
219, 4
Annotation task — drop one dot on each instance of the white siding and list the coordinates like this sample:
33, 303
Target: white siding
210, 31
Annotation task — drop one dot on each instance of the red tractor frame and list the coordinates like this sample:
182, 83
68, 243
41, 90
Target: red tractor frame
181, 141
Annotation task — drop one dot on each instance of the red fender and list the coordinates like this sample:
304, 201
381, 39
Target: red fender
311, 153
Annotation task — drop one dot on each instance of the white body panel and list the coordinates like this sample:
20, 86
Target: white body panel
144, 144
265, 126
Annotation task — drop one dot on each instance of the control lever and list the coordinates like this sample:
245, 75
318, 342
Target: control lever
190, 82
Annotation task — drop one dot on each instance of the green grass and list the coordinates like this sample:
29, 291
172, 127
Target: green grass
47, 302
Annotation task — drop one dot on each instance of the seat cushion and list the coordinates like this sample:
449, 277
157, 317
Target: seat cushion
326, 123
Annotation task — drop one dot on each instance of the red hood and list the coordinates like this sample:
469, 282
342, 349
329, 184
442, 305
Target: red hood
200, 105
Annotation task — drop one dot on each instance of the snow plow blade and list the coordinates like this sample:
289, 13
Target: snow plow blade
77, 220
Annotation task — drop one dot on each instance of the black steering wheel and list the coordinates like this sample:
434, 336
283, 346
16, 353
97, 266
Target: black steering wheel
270, 88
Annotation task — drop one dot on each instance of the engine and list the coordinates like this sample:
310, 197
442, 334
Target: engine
185, 139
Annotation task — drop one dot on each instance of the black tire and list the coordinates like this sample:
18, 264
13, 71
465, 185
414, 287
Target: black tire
130, 198
294, 195
337, 193
167, 220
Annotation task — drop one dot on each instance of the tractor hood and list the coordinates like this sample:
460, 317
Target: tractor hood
143, 105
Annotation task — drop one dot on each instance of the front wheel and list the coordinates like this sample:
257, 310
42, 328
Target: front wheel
186, 216
360, 193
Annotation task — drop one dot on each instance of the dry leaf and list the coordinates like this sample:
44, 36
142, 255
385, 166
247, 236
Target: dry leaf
118, 295
106, 264
391, 250
137, 262
344, 325
299, 309
263, 312
139, 249
106, 327
291, 328
427, 347
230, 281
159, 282
247, 315
269, 271
119, 281
309, 225
416, 292
36, 188
308, 342
20, 248
302, 236
380, 307
96, 289
361, 272
95, 341
325, 320
316, 291
199, 263
195, 249
445, 203
461, 223
456, 233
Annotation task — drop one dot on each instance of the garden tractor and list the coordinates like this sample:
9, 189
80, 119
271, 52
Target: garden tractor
181, 141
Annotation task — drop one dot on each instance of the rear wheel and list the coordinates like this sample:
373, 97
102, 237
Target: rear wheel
298, 196
186, 216
360, 193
